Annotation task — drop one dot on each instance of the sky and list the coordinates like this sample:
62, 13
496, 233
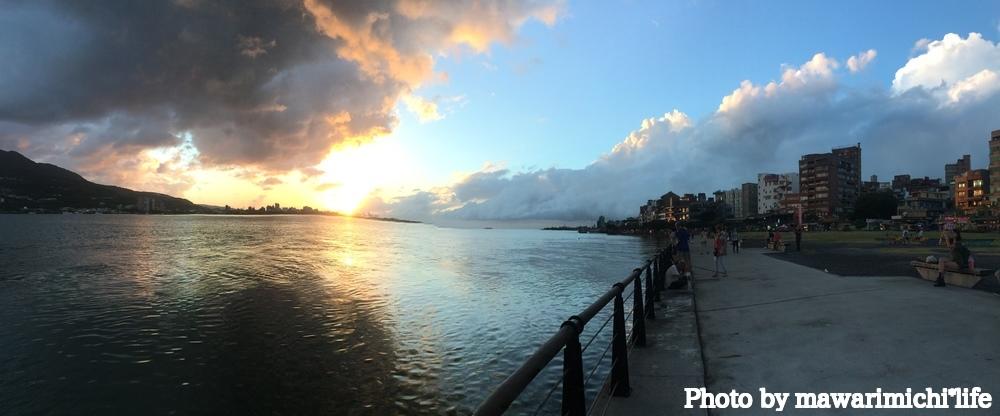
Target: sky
464, 111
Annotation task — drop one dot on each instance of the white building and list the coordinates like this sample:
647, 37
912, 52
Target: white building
772, 188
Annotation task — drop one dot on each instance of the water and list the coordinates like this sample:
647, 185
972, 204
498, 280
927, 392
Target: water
117, 314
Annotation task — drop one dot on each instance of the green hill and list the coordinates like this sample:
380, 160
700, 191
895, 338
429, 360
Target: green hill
29, 186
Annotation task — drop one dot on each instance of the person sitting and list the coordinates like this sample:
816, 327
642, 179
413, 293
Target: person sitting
959, 259
678, 275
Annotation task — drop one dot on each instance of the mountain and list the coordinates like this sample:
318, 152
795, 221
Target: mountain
27, 185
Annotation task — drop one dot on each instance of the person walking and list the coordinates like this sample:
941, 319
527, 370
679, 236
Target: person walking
734, 239
798, 238
683, 246
719, 251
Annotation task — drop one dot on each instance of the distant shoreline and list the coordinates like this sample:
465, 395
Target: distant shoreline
263, 214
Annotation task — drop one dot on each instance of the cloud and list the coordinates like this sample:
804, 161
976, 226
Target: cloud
425, 110
326, 186
947, 61
858, 62
271, 85
911, 126
269, 183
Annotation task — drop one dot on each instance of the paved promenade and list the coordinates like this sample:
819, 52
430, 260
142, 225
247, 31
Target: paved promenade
791, 328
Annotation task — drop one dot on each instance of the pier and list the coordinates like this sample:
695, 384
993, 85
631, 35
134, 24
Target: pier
791, 328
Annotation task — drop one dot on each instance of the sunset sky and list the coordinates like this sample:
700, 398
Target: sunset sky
464, 110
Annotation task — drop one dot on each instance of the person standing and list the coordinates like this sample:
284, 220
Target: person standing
734, 239
798, 238
683, 246
719, 251
704, 241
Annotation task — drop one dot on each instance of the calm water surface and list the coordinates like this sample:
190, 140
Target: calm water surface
117, 314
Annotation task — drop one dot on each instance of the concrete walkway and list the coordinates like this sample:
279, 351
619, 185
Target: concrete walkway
790, 328
671, 358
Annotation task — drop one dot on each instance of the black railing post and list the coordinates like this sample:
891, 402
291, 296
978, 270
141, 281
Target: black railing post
656, 275
619, 349
573, 399
650, 312
638, 313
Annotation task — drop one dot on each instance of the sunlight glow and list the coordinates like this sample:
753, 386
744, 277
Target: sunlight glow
355, 171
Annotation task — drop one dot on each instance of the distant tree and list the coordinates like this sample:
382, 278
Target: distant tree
880, 205
601, 222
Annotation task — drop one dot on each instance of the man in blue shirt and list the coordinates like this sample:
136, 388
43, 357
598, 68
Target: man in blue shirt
683, 248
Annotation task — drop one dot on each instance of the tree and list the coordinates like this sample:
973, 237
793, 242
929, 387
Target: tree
880, 205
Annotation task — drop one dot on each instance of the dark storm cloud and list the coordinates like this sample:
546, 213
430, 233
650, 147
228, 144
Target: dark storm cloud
256, 79
272, 84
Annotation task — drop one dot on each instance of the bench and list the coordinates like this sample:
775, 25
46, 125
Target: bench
963, 278
776, 246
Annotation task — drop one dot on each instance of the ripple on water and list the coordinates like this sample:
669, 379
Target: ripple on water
292, 315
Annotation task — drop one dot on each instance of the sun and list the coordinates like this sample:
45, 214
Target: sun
355, 171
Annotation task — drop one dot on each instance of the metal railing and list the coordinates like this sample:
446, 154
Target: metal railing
567, 339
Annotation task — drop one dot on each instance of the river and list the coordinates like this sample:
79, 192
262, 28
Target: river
128, 314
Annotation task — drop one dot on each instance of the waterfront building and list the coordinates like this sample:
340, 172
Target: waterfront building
671, 207
771, 189
994, 166
830, 183
972, 191
647, 212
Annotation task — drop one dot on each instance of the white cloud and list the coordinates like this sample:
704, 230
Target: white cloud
858, 62
757, 128
947, 61
816, 75
425, 110
983, 84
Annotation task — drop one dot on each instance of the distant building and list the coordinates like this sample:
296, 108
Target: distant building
972, 191
830, 182
900, 183
924, 205
647, 212
669, 207
995, 166
771, 189
748, 200
149, 205
951, 170
874, 185
790, 204
851, 154
904, 185
731, 201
